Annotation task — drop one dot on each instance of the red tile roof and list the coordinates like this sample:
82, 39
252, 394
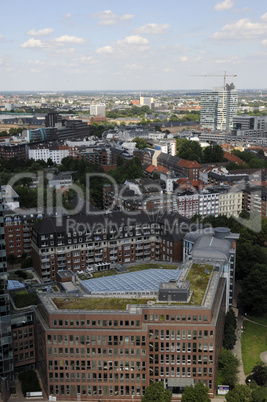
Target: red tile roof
151, 168
188, 164
232, 158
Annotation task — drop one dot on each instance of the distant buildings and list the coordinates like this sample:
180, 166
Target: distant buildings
47, 151
146, 101
98, 109
218, 107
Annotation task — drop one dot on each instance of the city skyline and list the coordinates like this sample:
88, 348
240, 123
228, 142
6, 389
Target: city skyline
144, 45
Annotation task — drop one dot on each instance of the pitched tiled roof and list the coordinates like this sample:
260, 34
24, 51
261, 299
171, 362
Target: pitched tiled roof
188, 164
232, 158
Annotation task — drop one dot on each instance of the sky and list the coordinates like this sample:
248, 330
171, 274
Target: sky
60, 45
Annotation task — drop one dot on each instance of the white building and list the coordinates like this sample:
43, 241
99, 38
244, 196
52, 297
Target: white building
208, 203
98, 109
166, 146
230, 201
146, 101
218, 107
45, 151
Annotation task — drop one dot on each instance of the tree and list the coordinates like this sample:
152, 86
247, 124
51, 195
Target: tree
240, 393
213, 154
259, 373
140, 143
259, 394
197, 393
229, 339
11, 259
254, 289
157, 392
189, 150
119, 160
228, 365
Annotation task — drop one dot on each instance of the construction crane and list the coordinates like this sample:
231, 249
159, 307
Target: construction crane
216, 75
224, 87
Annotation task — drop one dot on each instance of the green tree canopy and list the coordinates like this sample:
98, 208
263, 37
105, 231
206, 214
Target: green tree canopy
140, 143
240, 393
197, 393
254, 289
156, 392
189, 150
259, 394
229, 339
229, 367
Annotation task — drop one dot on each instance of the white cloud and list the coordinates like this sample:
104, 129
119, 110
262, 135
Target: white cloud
154, 29
36, 62
133, 40
243, 29
109, 18
123, 47
184, 58
68, 15
87, 59
33, 44
1, 37
70, 39
41, 32
264, 42
231, 59
225, 5
104, 50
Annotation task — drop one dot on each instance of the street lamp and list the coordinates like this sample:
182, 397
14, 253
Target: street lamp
249, 381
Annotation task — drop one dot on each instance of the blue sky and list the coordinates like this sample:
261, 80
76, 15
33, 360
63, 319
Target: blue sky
114, 44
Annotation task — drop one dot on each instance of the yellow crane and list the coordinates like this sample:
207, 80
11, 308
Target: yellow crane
224, 86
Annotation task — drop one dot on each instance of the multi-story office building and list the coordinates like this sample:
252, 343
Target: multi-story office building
98, 110
6, 355
146, 101
23, 340
218, 107
174, 334
249, 129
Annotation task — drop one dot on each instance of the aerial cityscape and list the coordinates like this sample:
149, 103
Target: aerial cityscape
133, 201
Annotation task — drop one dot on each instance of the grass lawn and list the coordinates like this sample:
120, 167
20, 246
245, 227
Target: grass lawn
254, 342
110, 272
142, 267
93, 303
199, 280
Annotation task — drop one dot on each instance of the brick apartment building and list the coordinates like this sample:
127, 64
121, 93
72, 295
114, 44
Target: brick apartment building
23, 340
116, 237
18, 233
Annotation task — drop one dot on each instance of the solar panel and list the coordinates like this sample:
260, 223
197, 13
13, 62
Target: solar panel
147, 280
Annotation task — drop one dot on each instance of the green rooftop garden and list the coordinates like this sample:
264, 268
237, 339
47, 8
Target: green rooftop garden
199, 279
97, 303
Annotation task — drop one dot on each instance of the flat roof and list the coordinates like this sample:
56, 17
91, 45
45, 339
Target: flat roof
146, 280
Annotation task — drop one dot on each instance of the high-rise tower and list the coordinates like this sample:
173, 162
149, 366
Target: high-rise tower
6, 356
218, 107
